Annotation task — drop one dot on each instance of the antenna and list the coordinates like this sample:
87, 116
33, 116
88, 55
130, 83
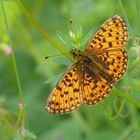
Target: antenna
46, 57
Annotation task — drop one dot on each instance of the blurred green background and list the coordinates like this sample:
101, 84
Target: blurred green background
26, 84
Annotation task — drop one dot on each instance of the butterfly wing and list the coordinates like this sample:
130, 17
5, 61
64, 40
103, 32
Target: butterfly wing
112, 34
108, 46
66, 96
94, 89
115, 62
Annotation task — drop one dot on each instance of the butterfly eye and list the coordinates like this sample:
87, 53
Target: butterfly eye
87, 60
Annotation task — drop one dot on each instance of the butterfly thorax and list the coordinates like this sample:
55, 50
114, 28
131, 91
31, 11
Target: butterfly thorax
86, 58
81, 56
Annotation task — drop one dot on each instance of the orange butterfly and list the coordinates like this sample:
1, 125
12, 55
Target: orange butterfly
90, 79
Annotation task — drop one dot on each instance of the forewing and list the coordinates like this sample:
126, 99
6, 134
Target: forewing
66, 96
112, 34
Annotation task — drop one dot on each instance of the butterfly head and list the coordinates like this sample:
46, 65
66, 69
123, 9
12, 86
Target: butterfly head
77, 54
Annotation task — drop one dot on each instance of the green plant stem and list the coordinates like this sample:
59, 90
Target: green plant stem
134, 37
41, 30
128, 98
79, 119
13, 58
118, 113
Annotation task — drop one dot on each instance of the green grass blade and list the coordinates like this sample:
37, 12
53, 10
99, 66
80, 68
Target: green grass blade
14, 62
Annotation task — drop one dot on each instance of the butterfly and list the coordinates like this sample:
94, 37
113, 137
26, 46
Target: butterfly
91, 78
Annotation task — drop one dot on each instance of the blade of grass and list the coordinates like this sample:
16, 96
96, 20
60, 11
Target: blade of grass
14, 63
138, 18
41, 30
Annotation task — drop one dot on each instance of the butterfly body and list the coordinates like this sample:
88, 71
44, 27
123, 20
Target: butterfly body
92, 64
97, 68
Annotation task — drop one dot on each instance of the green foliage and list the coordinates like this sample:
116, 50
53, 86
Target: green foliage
31, 30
